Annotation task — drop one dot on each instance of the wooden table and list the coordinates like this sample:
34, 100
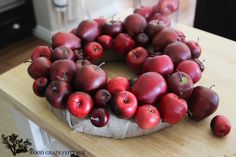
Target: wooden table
187, 138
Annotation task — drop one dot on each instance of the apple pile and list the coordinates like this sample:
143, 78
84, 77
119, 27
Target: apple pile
167, 65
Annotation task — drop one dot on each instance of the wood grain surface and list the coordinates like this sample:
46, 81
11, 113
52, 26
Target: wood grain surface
186, 139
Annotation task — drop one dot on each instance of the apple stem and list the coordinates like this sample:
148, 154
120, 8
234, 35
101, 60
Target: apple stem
95, 119
203, 61
98, 66
197, 39
27, 61
190, 114
212, 86
180, 76
133, 51
112, 19
126, 97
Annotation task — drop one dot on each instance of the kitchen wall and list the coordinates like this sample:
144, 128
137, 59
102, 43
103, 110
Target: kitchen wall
51, 19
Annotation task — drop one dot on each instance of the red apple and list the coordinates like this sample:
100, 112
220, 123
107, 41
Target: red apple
124, 104
181, 36
172, 108
134, 24
105, 41
202, 103
220, 126
163, 38
63, 70
57, 93
41, 51
39, 86
181, 84
99, 117
90, 78
102, 97
195, 48
68, 40
93, 51
62, 52
88, 30
149, 87
161, 64
39, 68
123, 43
166, 6
157, 17
118, 84
113, 28
145, 11
178, 52
147, 117
191, 68
136, 57
101, 21
79, 104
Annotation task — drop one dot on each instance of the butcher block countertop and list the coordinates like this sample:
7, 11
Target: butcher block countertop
185, 139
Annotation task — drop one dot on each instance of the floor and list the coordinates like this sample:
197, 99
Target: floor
19, 52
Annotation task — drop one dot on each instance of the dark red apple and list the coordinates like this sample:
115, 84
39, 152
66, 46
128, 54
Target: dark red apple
78, 54
191, 68
178, 52
147, 117
118, 84
136, 57
166, 7
68, 40
181, 84
62, 52
134, 24
123, 43
39, 68
105, 41
113, 28
145, 11
124, 104
172, 108
99, 117
57, 93
161, 64
40, 85
93, 51
82, 62
149, 87
195, 48
202, 103
79, 104
63, 70
157, 17
90, 78
88, 30
102, 97
142, 39
200, 64
153, 28
220, 126
163, 38
73, 31
41, 51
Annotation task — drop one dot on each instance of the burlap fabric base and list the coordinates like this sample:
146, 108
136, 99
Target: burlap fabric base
116, 127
